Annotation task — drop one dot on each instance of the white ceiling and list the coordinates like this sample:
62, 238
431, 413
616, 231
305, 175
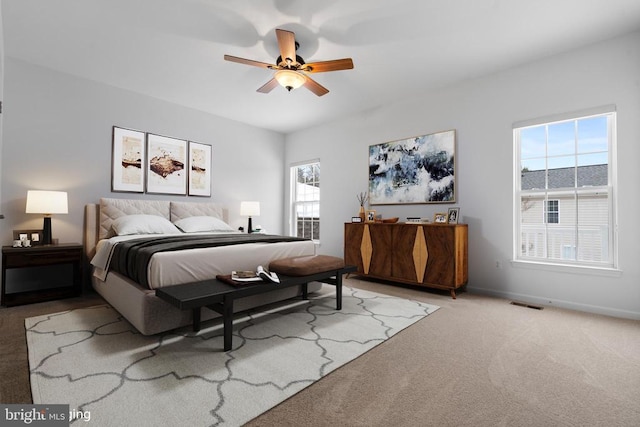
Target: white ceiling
173, 49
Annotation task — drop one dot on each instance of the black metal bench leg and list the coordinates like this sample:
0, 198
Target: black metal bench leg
339, 291
305, 291
227, 317
196, 319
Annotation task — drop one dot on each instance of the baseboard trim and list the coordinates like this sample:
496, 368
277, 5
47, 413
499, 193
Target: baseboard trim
551, 302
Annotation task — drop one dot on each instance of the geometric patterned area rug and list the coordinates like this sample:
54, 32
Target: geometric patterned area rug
95, 361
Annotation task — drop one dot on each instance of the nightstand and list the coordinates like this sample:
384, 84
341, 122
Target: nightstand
41, 273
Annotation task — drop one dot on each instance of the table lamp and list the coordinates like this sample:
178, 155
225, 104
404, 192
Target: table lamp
47, 203
250, 209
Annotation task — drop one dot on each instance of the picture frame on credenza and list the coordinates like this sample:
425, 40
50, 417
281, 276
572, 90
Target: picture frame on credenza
452, 215
370, 216
440, 218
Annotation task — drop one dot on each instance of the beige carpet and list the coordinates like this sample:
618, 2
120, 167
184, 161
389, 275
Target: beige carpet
480, 361
477, 361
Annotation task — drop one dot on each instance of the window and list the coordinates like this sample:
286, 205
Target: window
551, 212
564, 185
305, 200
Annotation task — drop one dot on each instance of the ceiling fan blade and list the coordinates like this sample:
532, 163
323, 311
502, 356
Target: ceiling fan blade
287, 45
250, 62
268, 86
315, 87
323, 66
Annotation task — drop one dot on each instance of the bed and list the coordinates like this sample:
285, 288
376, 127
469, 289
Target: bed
114, 223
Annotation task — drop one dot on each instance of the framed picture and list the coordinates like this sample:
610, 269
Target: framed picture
199, 169
370, 216
452, 215
440, 218
128, 150
356, 219
414, 170
165, 168
34, 235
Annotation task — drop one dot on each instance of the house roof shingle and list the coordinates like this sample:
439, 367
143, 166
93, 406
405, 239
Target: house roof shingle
588, 176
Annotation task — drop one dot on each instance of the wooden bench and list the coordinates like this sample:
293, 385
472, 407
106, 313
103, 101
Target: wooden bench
220, 296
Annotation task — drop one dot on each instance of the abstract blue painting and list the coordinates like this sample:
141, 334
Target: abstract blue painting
414, 170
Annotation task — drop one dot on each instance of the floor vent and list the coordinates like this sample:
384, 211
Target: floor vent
524, 304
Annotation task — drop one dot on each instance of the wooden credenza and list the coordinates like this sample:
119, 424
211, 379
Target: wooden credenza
431, 255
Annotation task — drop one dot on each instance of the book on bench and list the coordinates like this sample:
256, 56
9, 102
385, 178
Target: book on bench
248, 277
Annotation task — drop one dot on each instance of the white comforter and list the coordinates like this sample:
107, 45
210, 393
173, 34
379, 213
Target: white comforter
171, 268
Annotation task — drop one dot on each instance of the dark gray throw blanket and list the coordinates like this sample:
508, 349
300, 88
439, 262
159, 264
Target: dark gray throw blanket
131, 258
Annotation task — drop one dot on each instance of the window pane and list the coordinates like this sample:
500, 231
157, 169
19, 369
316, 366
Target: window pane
561, 233
532, 227
301, 173
562, 172
316, 172
595, 175
561, 162
533, 176
532, 210
306, 200
532, 142
593, 227
561, 139
593, 159
592, 135
534, 164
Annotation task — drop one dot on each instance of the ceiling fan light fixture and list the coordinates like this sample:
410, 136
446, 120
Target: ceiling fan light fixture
289, 79
290, 73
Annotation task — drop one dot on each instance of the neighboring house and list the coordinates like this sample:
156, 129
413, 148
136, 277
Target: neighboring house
557, 213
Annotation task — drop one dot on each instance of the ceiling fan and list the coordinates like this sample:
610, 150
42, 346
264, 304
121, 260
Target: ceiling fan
291, 70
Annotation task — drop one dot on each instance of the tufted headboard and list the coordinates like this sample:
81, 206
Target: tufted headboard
99, 217
181, 210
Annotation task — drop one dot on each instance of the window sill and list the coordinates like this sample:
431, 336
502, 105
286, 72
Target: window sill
567, 268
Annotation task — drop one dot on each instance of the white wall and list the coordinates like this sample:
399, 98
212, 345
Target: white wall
1, 92
57, 136
482, 112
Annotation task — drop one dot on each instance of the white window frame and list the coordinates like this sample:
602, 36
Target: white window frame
611, 264
295, 203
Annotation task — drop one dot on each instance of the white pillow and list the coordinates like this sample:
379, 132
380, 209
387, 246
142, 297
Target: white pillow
143, 224
194, 224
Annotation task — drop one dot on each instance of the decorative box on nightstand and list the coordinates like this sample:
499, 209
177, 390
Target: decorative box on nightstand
41, 273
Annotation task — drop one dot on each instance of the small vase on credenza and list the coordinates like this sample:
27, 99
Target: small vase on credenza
363, 198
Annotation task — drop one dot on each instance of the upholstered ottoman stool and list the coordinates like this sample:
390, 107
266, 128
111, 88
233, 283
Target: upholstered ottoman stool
314, 268
306, 265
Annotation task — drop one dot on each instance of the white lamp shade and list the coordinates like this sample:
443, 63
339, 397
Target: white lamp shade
47, 202
249, 208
